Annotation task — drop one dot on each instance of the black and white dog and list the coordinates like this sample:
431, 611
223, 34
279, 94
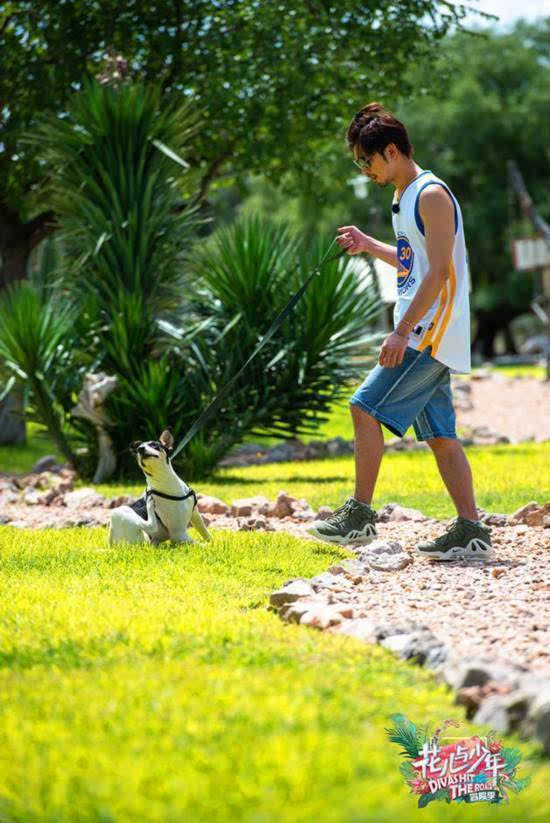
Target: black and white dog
167, 508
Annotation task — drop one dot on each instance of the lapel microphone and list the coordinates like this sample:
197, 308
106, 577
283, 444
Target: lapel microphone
395, 208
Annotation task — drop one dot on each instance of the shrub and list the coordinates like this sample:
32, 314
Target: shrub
36, 345
173, 320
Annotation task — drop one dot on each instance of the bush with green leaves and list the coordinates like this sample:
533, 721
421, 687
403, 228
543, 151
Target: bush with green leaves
36, 346
171, 314
239, 280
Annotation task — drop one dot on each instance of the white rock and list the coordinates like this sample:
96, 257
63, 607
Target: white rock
83, 497
362, 628
304, 515
401, 514
389, 562
31, 497
384, 547
291, 592
322, 617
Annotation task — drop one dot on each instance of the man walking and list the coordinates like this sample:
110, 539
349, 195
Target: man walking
410, 385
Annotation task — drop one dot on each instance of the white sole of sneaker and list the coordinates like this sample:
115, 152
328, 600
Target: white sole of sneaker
366, 535
476, 549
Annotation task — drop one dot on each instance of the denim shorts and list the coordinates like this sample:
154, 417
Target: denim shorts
416, 393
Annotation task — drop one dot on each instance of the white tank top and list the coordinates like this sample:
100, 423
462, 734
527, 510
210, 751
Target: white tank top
446, 325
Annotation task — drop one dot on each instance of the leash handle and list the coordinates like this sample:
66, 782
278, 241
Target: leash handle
215, 403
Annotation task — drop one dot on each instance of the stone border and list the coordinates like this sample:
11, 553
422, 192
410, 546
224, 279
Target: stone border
507, 698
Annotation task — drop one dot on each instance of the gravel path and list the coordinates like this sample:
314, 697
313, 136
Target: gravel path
518, 408
499, 610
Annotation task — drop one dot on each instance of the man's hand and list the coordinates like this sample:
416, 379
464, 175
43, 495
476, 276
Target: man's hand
352, 239
393, 350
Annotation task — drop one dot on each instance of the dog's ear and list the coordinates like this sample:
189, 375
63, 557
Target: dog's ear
167, 440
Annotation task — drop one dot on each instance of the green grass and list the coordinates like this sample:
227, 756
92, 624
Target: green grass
22, 458
338, 424
505, 478
535, 371
153, 685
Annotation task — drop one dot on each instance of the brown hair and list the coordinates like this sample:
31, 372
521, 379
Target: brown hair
374, 127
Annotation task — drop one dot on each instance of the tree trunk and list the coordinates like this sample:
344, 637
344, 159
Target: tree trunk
12, 419
489, 324
18, 239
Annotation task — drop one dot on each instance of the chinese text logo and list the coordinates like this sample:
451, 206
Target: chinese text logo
469, 770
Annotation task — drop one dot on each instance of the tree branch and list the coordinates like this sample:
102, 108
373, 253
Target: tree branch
6, 23
39, 227
212, 170
527, 205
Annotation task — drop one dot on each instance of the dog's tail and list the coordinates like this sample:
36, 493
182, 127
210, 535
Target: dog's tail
198, 523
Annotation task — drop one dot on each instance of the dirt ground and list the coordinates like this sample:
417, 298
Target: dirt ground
518, 408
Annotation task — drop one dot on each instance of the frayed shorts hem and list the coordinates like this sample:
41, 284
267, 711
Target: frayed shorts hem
389, 424
431, 435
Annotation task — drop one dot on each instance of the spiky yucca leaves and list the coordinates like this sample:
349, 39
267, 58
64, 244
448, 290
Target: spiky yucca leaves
116, 191
244, 276
116, 185
37, 346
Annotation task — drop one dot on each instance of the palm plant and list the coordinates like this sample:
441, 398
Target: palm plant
37, 346
116, 189
174, 322
116, 193
242, 277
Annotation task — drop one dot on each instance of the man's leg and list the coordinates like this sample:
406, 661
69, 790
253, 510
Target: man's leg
369, 448
456, 474
354, 521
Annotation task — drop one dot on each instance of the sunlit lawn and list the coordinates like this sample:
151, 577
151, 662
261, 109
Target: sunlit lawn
338, 424
154, 685
505, 478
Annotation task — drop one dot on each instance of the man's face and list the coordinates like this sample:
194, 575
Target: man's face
379, 167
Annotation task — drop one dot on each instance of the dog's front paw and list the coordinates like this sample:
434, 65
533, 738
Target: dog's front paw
182, 537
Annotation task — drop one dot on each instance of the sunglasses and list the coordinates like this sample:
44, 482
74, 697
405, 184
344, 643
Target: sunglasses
363, 162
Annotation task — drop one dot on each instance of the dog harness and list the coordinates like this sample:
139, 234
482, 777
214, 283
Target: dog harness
190, 493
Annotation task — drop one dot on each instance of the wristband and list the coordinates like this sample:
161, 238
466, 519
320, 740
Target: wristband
404, 336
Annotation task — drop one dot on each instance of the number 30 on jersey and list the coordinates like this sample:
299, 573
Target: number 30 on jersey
405, 260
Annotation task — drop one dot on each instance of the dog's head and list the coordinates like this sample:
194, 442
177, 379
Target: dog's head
154, 454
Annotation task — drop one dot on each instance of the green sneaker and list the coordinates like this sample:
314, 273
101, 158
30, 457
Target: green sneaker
351, 523
463, 538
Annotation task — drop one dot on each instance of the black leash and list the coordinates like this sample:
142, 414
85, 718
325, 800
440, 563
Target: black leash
283, 314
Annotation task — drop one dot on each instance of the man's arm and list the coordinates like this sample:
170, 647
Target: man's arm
355, 242
437, 212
